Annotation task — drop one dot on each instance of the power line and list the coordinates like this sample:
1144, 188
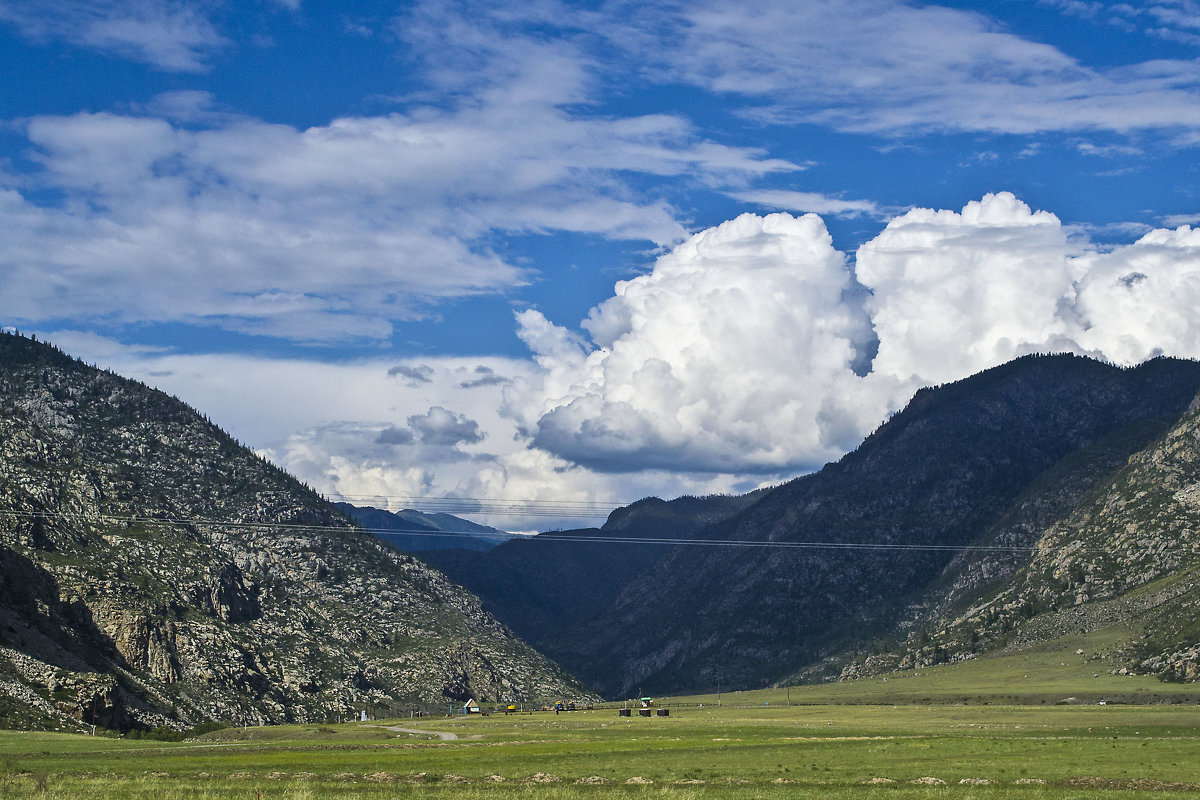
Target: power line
552, 536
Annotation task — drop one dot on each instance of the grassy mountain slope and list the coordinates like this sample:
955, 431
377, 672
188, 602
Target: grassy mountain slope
155, 572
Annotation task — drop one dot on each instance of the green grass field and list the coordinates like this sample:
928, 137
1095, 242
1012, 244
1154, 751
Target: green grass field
931, 733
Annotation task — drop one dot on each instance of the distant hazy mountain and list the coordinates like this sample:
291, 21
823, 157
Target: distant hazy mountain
155, 572
545, 586
413, 531
876, 539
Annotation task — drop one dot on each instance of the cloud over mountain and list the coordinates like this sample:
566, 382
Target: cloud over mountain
738, 352
1139, 301
751, 352
954, 293
737, 341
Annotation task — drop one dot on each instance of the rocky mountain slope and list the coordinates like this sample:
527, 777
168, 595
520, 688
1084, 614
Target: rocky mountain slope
1128, 553
153, 572
878, 537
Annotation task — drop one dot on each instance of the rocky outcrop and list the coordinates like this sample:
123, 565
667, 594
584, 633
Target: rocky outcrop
468, 673
154, 572
1181, 665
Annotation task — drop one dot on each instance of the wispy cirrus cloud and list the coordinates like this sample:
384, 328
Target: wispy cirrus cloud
867, 66
809, 202
329, 232
171, 35
885, 67
1171, 20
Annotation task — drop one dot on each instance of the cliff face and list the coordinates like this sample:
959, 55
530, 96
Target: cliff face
892, 518
155, 572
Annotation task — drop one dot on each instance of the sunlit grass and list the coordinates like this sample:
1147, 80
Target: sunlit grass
910, 736
827, 751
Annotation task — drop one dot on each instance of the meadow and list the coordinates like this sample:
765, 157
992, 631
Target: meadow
930, 733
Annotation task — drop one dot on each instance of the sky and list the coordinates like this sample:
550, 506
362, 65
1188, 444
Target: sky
528, 262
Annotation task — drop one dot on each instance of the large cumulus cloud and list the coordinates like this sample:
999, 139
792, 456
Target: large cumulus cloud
749, 348
953, 293
739, 343
1139, 301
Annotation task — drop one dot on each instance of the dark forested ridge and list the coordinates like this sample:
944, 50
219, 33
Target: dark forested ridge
1127, 554
546, 586
155, 572
942, 473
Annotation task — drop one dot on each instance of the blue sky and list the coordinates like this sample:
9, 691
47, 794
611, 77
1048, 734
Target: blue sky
558, 253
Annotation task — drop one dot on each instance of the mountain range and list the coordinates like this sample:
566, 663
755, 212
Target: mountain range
938, 507
155, 572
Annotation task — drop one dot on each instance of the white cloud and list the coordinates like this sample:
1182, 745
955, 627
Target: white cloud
737, 354
184, 212
954, 293
330, 232
1172, 20
171, 35
1175, 220
809, 202
731, 356
1106, 151
889, 67
1139, 301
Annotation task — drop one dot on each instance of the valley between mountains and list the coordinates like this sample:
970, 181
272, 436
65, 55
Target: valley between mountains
155, 573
